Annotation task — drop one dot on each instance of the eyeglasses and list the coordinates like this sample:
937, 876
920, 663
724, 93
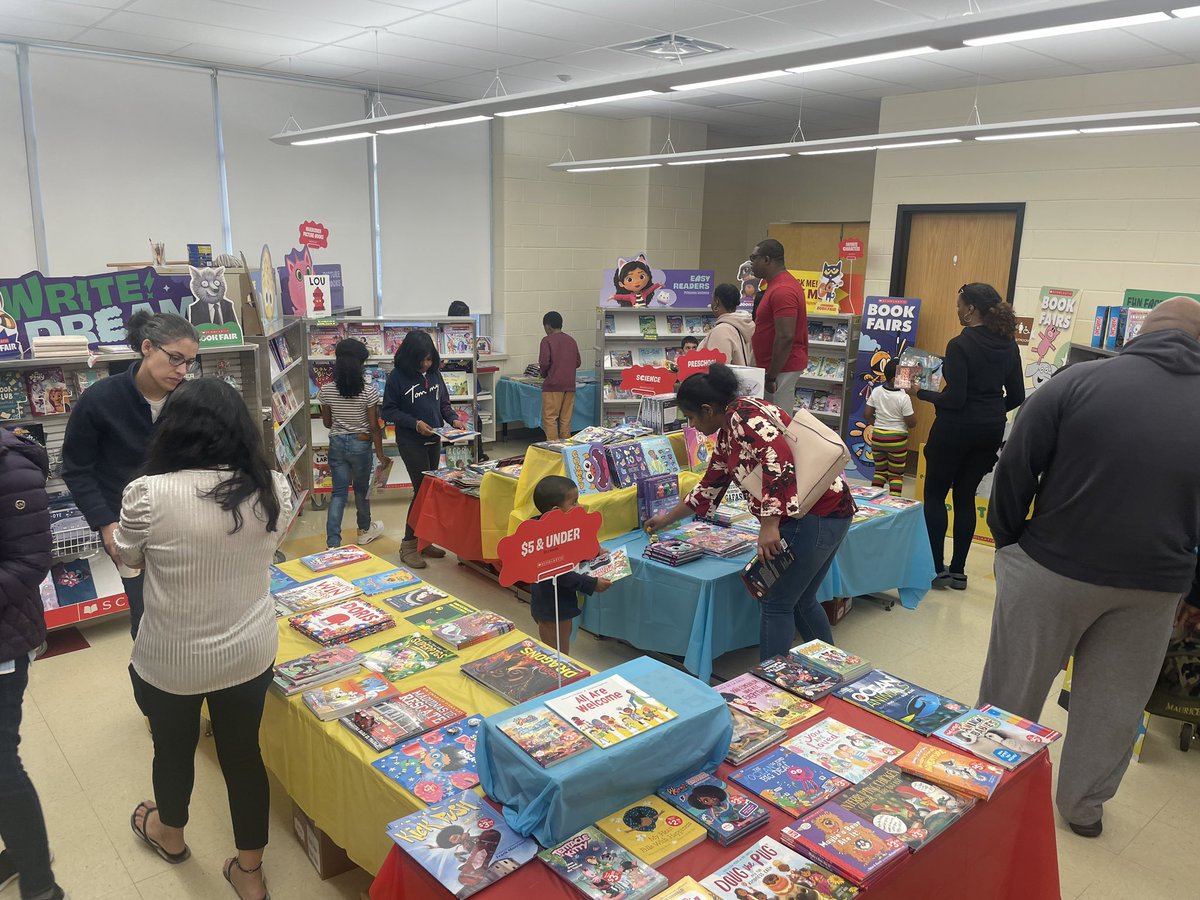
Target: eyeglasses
176, 360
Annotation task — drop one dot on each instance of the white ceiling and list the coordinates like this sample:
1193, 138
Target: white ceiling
449, 50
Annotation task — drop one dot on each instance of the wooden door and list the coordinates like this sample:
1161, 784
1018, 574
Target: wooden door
946, 250
809, 244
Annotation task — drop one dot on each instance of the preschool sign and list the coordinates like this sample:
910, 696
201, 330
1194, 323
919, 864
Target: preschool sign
95, 306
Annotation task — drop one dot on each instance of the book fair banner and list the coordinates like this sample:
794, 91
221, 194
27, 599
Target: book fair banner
1046, 348
1138, 299
889, 325
633, 282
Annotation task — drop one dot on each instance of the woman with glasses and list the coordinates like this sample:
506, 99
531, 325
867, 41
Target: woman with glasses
204, 520
111, 426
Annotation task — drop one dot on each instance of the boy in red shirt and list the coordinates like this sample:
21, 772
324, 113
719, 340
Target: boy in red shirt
558, 361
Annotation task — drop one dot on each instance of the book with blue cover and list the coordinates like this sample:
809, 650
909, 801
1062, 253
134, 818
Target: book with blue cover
660, 455
789, 781
627, 463
280, 580
438, 764
73, 582
901, 702
383, 582
726, 813
587, 466
462, 842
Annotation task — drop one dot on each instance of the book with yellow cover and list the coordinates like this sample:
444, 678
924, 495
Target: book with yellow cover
686, 888
652, 830
955, 771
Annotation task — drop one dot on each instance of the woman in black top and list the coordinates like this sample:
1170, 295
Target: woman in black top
983, 383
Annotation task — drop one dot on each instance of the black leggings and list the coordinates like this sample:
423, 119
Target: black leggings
418, 458
957, 457
236, 713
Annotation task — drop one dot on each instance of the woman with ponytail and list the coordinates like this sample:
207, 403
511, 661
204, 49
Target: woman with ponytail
350, 410
983, 383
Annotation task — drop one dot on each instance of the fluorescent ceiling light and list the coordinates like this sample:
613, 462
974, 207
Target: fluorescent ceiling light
1024, 135
836, 150
467, 121
615, 168
919, 144
334, 138
701, 85
697, 162
703, 162
534, 109
1118, 128
1076, 28
859, 60
757, 156
1187, 12
632, 95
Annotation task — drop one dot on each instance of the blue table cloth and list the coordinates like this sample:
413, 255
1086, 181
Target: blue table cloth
517, 401
702, 609
552, 804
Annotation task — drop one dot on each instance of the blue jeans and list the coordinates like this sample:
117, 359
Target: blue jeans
791, 604
22, 828
349, 460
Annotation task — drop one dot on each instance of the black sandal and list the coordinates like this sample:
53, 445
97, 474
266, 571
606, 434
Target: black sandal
146, 808
233, 861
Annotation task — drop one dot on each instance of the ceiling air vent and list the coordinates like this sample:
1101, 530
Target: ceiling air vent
671, 46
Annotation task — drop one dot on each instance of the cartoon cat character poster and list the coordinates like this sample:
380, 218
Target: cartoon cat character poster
211, 311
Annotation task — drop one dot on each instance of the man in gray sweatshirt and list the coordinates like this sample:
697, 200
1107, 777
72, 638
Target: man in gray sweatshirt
1100, 451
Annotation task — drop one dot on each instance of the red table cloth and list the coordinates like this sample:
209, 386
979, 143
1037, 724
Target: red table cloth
443, 515
1003, 848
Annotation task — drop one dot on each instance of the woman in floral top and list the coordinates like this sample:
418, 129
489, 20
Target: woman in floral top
748, 435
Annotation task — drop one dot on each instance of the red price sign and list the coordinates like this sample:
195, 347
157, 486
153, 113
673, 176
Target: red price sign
541, 548
696, 362
314, 234
851, 248
648, 380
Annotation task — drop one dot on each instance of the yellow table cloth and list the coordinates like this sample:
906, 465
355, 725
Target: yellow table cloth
325, 768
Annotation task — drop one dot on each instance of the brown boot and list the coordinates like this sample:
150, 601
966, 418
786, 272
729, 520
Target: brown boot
410, 556
434, 552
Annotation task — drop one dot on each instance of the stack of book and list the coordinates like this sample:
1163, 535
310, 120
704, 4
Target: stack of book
750, 736
672, 552
792, 784
600, 868
997, 736
765, 701
524, 671
342, 622
410, 654
313, 594
962, 774
846, 843
651, 831
332, 559
387, 723
722, 542
415, 597
902, 702
830, 659
473, 628
768, 869
905, 805
438, 764
611, 710
727, 814
792, 675
344, 697
58, 345
440, 614
545, 737
656, 494
326, 665
843, 750
383, 582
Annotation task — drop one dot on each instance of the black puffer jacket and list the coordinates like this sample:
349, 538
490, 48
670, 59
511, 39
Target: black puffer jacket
24, 544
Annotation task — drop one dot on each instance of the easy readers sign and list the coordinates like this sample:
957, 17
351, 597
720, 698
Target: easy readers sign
697, 362
548, 546
647, 381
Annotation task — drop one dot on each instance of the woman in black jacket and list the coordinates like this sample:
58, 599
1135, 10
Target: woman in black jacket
24, 562
983, 384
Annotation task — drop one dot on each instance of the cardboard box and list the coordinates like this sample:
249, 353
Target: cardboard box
326, 857
837, 608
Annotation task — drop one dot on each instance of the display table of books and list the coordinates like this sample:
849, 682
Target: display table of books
872, 784
702, 609
370, 659
520, 400
506, 503
443, 515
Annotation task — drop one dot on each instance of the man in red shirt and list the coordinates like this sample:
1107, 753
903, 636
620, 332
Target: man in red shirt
780, 325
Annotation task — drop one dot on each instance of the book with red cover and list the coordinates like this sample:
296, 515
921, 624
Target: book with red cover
848, 843
385, 724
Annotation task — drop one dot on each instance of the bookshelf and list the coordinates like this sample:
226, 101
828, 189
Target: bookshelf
1087, 353
829, 378
283, 377
105, 596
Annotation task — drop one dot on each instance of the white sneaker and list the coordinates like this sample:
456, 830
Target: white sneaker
376, 530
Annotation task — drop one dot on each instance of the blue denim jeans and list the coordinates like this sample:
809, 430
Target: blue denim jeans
349, 461
791, 604
22, 828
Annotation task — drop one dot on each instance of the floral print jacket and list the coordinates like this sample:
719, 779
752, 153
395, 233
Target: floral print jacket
748, 439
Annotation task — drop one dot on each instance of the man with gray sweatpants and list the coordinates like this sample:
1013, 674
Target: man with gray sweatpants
1101, 450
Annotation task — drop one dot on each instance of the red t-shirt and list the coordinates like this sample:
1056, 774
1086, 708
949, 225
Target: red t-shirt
783, 299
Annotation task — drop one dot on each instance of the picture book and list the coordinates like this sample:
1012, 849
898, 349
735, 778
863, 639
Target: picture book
846, 842
792, 675
766, 701
385, 724
693, 324
14, 401
319, 375
843, 750
866, 513
600, 869
593, 434
901, 804
656, 494
457, 338
789, 781
619, 359
686, 888
867, 492
369, 334
323, 340
750, 736
473, 628
280, 580
831, 659
962, 774
610, 323
462, 842
458, 384
674, 324
660, 456
769, 869
917, 367
439, 615
901, 701
726, 813
544, 736
383, 582
73, 582
587, 466
627, 463
343, 697
342, 622
997, 736
699, 447
332, 559
648, 326
85, 378
410, 654
312, 594
651, 356
48, 392
610, 710
804, 398
328, 664
896, 502
652, 830
612, 565
393, 337
523, 671
437, 764
418, 596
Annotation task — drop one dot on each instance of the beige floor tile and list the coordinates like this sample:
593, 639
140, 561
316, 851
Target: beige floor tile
1122, 879
86, 863
47, 766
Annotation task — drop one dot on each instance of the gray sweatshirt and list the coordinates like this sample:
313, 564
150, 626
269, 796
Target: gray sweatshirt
1106, 452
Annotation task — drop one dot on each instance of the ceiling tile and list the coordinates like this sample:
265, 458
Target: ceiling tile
758, 34
1102, 47
395, 42
229, 56
195, 32
618, 62
360, 13
847, 17
1181, 36
550, 21
482, 35
304, 65
78, 14
123, 40
394, 65
244, 18
11, 26
664, 16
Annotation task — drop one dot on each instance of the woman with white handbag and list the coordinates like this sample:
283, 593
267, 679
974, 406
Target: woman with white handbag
790, 470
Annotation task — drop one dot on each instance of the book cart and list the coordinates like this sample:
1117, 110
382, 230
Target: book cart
825, 386
283, 377
454, 338
237, 364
